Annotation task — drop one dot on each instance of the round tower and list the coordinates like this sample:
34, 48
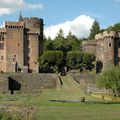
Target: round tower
109, 48
106, 48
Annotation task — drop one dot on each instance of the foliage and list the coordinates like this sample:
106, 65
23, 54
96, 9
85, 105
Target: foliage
115, 27
80, 60
72, 57
110, 79
50, 61
94, 30
48, 44
88, 60
71, 42
75, 59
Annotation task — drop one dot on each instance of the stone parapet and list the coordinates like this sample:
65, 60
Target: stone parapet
9, 24
105, 34
27, 82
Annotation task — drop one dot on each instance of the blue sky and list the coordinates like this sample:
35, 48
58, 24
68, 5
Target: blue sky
55, 12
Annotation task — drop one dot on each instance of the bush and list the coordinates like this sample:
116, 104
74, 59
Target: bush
50, 61
80, 60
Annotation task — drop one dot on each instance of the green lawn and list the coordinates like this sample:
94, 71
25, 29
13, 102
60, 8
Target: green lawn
65, 111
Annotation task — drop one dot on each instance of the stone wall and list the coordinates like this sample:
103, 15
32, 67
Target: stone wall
106, 47
89, 46
22, 45
30, 82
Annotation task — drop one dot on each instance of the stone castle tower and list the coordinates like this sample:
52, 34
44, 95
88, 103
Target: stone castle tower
21, 44
106, 48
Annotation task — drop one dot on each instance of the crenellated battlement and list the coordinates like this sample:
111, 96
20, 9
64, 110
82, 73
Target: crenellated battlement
33, 19
89, 43
15, 25
106, 34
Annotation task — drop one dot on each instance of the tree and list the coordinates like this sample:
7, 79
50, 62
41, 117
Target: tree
72, 42
80, 60
48, 44
75, 59
59, 41
94, 30
110, 79
88, 60
50, 61
115, 27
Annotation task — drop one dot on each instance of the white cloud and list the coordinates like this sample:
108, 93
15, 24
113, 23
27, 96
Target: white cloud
9, 6
35, 6
80, 27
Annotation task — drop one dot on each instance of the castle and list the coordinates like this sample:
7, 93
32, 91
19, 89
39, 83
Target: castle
106, 47
21, 43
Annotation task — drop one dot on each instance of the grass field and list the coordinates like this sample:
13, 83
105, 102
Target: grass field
66, 111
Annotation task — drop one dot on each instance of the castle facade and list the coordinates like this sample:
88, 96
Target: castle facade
21, 43
106, 47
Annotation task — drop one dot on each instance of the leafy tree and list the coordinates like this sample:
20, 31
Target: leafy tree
94, 30
75, 59
110, 79
72, 42
60, 34
80, 60
48, 44
88, 60
115, 27
59, 41
50, 61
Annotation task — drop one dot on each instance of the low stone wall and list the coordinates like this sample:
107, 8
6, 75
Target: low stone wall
27, 82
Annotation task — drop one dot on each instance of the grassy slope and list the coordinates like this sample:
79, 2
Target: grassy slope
72, 111
67, 111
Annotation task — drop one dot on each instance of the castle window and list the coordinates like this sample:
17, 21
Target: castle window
18, 44
1, 46
109, 44
1, 38
1, 57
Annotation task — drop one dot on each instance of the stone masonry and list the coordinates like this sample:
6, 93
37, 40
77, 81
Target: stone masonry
27, 82
106, 47
21, 44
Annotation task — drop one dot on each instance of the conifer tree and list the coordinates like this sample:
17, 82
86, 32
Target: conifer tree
94, 30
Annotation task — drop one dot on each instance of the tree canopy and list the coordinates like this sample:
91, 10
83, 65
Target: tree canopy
115, 27
65, 44
80, 60
94, 30
50, 61
110, 79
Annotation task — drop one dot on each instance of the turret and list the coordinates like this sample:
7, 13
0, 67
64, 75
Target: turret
20, 17
106, 52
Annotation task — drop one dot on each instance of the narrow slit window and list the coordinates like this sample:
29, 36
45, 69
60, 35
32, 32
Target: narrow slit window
109, 44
